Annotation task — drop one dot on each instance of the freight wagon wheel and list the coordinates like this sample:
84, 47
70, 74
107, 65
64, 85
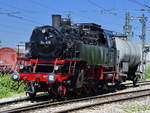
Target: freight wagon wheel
135, 79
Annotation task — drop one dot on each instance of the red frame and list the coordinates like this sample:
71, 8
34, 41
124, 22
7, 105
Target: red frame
59, 77
43, 76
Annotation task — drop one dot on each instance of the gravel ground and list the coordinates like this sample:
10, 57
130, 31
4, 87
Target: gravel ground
15, 97
135, 88
14, 105
18, 104
141, 105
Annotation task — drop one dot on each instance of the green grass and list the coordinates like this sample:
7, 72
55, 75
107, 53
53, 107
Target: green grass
133, 108
9, 87
148, 71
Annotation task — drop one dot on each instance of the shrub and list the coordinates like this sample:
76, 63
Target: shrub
9, 87
148, 71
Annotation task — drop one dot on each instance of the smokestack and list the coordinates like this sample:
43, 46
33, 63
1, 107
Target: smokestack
56, 20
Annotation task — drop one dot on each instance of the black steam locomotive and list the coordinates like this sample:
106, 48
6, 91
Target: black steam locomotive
67, 57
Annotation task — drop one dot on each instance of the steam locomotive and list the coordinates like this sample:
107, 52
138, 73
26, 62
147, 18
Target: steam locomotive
83, 58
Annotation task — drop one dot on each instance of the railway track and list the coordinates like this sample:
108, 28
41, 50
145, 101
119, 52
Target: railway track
17, 100
76, 102
146, 82
106, 99
23, 101
141, 83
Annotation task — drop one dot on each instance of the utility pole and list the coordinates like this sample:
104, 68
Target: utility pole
0, 44
143, 20
127, 27
143, 37
20, 46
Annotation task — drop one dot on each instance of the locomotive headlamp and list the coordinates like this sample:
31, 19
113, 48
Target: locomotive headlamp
56, 68
21, 66
51, 78
15, 76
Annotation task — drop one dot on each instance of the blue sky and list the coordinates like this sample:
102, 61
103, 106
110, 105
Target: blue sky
19, 17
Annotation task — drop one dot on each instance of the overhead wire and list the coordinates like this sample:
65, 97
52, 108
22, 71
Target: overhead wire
139, 3
49, 8
46, 7
104, 10
25, 18
73, 12
42, 5
109, 11
19, 17
14, 14
14, 7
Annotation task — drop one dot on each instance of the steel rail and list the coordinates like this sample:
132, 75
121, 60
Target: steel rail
144, 93
49, 104
23, 99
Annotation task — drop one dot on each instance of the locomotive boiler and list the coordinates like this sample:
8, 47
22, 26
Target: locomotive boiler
69, 58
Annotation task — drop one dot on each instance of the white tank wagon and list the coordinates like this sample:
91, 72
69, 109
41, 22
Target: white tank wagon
130, 53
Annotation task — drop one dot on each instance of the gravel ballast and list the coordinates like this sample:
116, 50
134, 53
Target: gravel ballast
141, 105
